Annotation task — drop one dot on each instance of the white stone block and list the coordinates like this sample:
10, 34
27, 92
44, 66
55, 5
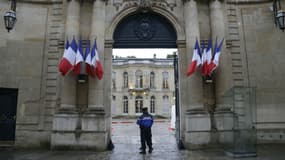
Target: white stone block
93, 123
224, 121
198, 128
198, 138
63, 139
198, 122
65, 122
85, 140
93, 140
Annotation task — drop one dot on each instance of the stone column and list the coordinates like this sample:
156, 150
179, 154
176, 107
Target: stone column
66, 121
96, 121
68, 83
223, 118
107, 77
223, 74
197, 121
193, 96
96, 87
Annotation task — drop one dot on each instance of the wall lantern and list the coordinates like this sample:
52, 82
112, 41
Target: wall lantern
279, 14
10, 16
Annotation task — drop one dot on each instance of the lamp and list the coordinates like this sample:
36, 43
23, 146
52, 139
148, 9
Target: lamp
10, 16
279, 14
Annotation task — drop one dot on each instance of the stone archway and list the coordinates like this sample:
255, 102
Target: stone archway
171, 34
144, 30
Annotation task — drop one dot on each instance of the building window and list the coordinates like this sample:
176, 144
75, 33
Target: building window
139, 104
165, 80
151, 84
139, 79
126, 80
113, 105
165, 104
152, 104
114, 80
125, 104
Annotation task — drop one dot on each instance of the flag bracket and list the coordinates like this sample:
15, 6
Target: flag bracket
82, 78
209, 79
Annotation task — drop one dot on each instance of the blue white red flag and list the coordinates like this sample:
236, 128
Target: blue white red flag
68, 60
215, 60
206, 58
94, 66
196, 59
78, 59
90, 67
87, 57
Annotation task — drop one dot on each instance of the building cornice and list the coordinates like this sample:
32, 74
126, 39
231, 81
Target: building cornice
144, 61
41, 1
246, 1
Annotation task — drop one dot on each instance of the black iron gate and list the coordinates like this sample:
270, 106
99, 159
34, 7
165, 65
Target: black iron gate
8, 105
177, 110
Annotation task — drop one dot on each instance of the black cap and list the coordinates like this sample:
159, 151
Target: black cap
144, 109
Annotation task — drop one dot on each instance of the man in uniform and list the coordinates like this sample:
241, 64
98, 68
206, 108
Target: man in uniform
145, 122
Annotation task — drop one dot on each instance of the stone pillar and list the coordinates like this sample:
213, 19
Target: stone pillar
223, 74
223, 119
194, 92
66, 121
96, 121
96, 87
68, 83
191, 94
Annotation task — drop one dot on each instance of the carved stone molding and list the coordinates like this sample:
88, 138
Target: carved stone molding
41, 1
144, 5
247, 1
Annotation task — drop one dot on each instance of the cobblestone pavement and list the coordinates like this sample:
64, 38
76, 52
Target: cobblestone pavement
126, 140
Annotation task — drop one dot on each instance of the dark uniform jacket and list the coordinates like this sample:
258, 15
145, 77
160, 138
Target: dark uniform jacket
145, 120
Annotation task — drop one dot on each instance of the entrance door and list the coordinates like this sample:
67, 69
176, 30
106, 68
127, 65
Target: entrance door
8, 104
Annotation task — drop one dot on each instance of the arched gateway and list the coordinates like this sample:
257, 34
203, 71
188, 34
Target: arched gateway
149, 27
83, 119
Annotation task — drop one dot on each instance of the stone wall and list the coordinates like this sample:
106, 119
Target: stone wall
264, 51
30, 57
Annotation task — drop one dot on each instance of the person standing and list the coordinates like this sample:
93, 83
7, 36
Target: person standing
145, 122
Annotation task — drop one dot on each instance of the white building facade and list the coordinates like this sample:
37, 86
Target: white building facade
138, 83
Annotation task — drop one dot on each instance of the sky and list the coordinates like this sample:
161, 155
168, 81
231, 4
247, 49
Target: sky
143, 53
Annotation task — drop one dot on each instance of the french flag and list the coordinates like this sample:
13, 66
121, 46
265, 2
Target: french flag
215, 60
196, 60
68, 60
87, 56
78, 59
94, 66
89, 66
206, 58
